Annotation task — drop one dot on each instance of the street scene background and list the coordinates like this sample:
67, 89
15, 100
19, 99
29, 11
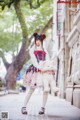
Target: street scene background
60, 21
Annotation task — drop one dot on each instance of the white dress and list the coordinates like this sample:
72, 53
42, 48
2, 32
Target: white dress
47, 81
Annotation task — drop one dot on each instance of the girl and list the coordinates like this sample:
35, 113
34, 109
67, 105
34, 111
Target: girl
38, 54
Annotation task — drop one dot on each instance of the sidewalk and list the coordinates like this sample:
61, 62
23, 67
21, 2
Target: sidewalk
56, 108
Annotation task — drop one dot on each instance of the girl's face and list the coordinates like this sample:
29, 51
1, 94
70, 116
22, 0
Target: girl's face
38, 42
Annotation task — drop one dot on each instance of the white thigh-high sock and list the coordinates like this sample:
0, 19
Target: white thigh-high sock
45, 96
28, 96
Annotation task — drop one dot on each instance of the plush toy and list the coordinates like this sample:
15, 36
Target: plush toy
47, 65
49, 70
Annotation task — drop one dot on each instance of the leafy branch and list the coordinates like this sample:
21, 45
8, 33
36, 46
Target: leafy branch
8, 3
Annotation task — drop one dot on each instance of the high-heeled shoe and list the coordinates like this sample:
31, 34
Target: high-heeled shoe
23, 110
42, 111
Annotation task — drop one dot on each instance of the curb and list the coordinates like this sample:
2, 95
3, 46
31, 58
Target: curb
3, 93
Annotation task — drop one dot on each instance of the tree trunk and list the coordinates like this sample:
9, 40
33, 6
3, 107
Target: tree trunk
6, 64
22, 56
15, 67
11, 77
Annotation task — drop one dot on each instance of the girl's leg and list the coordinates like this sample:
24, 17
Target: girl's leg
45, 93
54, 88
45, 97
28, 96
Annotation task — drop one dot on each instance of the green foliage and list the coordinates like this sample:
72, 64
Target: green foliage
9, 41
10, 32
32, 3
36, 19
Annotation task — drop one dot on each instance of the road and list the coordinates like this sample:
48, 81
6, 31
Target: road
56, 108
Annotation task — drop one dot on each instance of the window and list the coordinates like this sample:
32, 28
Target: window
70, 69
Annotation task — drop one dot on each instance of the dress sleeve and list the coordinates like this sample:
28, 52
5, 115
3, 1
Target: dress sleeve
33, 58
47, 55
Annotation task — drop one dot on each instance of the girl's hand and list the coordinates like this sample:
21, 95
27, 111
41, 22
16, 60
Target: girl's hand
39, 70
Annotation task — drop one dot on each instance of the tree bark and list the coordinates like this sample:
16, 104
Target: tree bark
48, 25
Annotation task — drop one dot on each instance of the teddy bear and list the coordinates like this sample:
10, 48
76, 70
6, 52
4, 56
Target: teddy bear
49, 71
48, 65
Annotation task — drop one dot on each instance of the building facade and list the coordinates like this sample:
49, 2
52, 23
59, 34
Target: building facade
67, 47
